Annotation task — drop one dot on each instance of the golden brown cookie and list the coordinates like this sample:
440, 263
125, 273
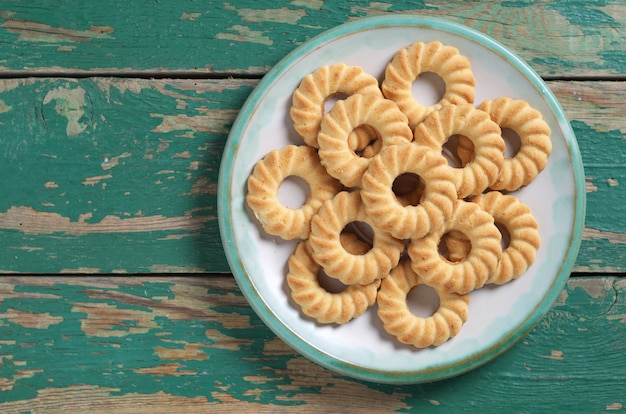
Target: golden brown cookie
435, 57
315, 301
466, 275
308, 99
436, 201
357, 110
488, 156
327, 250
535, 142
268, 175
523, 234
421, 332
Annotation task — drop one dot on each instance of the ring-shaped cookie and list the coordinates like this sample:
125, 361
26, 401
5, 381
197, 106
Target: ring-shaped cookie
483, 169
466, 275
364, 141
408, 328
315, 301
357, 110
327, 250
523, 234
267, 176
308, 100
437, 198
535, 142
443, 60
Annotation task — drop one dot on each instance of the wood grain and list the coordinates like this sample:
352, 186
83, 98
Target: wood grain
113, 118
573, 39
131, 344
107, 175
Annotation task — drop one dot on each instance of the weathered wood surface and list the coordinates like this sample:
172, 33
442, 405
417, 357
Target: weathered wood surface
112, 122
117, 175
164, 344
222, 36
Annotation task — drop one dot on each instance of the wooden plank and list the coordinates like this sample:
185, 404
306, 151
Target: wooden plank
113, 175
105, 175
598, 116
193, 344
563, 39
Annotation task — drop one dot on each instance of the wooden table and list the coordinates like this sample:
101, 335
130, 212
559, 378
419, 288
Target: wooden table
117, 295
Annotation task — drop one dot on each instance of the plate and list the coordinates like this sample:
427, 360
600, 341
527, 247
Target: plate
498, 316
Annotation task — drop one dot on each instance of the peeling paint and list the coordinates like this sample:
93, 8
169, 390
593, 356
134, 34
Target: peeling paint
70, 104
557, 355
104, 320
590, 187
245, 34
96, 179
30, 221
190, 124
592, 288
611, 236
111, 162
30, 319
187, 352
30, 31
189, 16
203, 187
4, 107
173, 369
311, 4
281, 15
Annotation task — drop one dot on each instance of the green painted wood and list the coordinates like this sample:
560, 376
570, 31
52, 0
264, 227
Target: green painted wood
118, 174
104, 175
176, 344
558, 38
113, 175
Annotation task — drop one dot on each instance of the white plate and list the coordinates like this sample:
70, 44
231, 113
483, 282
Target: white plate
498, 316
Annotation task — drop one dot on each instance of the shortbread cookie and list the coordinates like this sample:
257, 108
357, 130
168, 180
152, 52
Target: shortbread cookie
471, 273
308, 100
488, 156
457, 245
408, 328
437, 199
315, 301
535, 142
327, 250
523, 234
364, 141
268, 175
380, 114
435, 57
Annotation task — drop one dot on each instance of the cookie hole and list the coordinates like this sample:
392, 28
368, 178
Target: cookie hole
332, 99
408, 189
329, 284
423, 301
428, 88
512, 142
506, 236
361, 230
363, 141
450, 152
454, 246
293, 192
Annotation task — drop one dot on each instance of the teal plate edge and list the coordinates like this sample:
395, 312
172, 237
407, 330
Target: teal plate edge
245, 283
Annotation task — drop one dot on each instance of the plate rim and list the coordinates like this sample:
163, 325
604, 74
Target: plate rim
275, 324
